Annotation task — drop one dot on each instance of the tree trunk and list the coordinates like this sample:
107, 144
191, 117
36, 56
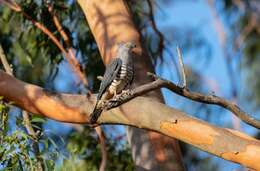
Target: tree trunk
111, 23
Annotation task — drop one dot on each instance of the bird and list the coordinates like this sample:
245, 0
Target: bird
118, 76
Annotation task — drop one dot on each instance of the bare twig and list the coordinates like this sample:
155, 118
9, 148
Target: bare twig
5, 63
102, 139
73, 63
26, 118
160, 83
182, 67
67, 41
12, 5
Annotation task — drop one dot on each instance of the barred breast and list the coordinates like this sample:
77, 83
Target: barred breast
123, 79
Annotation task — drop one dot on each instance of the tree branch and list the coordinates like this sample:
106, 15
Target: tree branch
102, 139
73, 62
182, 68
182, 91
140, 112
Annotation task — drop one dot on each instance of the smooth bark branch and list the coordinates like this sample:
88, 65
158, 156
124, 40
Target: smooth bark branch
140, 112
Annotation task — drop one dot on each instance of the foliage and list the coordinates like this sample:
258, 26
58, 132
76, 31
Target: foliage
85, 153
16, 150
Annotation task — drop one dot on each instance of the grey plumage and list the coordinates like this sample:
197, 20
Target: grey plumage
118, 75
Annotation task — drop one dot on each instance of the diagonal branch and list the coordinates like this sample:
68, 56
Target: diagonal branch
72, 61
182, 91
67, 41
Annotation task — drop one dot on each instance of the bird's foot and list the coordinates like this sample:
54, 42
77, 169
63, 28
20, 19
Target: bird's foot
126, 93
103, 103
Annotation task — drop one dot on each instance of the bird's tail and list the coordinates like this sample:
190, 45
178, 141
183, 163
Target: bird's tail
95, 114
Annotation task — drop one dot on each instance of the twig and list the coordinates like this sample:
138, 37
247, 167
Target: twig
102, 139
182, 67
12, 5
25, 114
160, 83
73, 63
67, 41
5, 63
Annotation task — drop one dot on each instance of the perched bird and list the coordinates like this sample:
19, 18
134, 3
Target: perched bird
118, 76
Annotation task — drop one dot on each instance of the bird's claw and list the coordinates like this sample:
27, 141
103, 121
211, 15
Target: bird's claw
127, 92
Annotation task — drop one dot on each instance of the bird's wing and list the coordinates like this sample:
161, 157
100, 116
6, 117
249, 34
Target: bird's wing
110, 74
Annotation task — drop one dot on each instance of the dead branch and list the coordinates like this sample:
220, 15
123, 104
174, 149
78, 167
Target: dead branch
182, 67
182, 91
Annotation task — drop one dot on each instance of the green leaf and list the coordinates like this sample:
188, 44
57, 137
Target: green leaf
38, 120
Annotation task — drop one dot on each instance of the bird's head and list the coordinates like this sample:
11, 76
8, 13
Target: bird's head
127, 47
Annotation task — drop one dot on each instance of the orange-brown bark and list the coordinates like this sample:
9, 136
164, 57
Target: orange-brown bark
226, 143
37, 100
111, 23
